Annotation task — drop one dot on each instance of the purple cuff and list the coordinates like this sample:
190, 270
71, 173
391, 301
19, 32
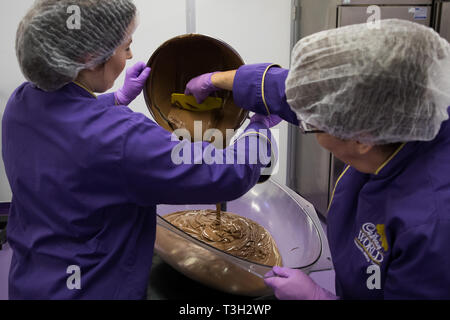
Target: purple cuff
261, 88
247, 91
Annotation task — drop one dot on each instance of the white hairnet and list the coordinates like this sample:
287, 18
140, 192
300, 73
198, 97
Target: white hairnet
51, 53
377, 86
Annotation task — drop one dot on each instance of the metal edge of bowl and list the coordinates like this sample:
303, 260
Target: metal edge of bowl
148, 100
286, 190
316, 228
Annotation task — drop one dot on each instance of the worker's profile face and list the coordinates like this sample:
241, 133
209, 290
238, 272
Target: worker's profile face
105, 75
115, 66
348, 151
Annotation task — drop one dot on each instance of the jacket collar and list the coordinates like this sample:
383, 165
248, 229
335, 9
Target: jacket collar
397, 160
407, 151
82, 89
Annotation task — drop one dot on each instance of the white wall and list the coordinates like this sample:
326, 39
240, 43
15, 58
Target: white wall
159, 21
10, 15
258, 29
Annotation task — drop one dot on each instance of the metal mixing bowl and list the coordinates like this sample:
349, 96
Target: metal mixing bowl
275, 207
174, 64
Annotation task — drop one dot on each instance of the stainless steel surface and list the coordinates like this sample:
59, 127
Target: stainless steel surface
291, 220
348, 15
309, 165
312, 174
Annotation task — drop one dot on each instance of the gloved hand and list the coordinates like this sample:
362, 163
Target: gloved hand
201, 87
270, 121
135, 80
291, 284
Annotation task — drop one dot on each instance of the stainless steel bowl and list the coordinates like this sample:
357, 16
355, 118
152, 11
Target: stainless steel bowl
292, 222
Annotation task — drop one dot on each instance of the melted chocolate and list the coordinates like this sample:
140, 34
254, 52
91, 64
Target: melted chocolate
234, 234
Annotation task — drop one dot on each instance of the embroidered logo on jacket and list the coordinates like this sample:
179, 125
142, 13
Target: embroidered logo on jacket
372, 242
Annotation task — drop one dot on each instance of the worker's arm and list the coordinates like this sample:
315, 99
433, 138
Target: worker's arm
224, 80
259, 88
159, 169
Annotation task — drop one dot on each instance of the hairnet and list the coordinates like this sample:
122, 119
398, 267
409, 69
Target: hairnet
51, 54
377, 86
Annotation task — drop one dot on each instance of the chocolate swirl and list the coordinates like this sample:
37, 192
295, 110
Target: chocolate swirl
236, 235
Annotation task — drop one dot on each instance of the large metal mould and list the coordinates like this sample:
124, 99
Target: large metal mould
290, 219
174, 64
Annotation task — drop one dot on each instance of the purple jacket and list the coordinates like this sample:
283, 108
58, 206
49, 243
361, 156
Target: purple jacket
388, 232
86, 178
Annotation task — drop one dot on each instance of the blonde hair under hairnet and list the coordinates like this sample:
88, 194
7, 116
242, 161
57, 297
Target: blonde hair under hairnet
51, 54
377, 86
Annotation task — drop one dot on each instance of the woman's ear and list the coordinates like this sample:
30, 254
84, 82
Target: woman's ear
363, 148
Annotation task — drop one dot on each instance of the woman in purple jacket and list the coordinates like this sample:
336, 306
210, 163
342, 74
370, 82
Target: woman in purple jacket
377, 99
86, 172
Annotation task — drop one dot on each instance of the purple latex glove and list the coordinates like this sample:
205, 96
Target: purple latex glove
292, 284
270, 121
135, 80
201, 87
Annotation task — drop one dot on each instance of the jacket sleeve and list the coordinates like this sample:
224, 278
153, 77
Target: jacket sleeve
421, 262
158, 168
261, 88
